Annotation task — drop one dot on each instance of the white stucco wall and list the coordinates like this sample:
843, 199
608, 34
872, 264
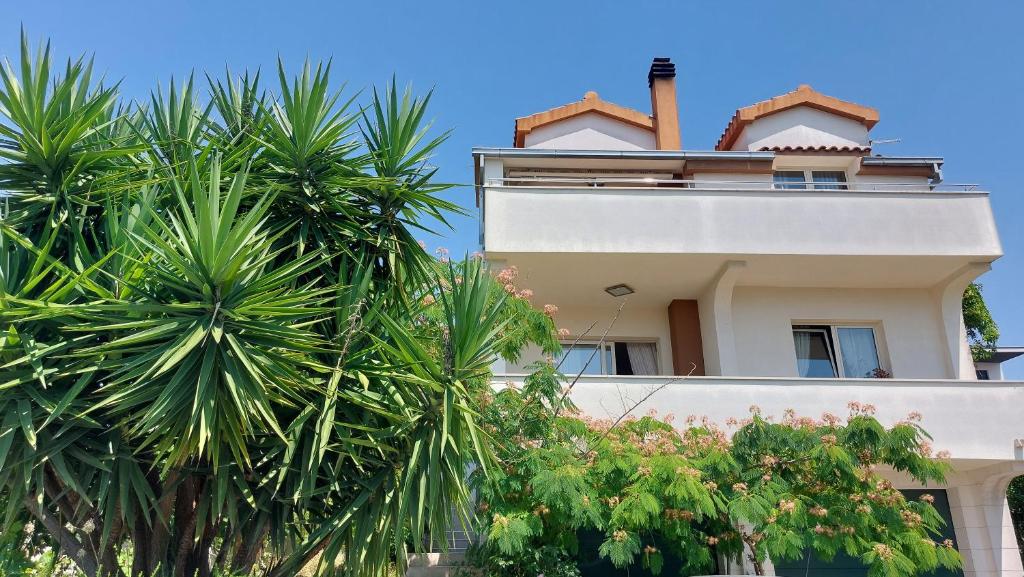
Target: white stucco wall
591, 131
725, 222
906, 321
801, 126
995, 370
990, 408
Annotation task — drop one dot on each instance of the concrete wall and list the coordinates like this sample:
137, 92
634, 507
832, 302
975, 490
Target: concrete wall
740, 222
591, 131
990, 407
906, 325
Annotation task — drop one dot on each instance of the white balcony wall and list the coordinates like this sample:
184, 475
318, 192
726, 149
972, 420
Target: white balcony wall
696, 221
989, 409
906, 323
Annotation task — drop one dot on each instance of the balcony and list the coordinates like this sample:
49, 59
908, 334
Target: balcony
667, 216
977, 422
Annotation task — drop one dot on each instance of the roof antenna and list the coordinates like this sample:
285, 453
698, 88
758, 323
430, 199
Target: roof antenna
885, 141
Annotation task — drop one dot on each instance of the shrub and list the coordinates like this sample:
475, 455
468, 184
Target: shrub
754, 489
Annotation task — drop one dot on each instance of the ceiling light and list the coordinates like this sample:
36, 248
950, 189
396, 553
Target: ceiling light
619, 290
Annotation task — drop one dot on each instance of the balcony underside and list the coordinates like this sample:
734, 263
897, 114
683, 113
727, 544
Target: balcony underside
579, 279
978, 422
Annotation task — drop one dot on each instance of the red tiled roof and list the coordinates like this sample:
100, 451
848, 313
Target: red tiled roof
853, 149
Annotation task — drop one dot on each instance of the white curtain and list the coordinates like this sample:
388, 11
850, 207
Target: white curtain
643, 358
802, 340
860, 358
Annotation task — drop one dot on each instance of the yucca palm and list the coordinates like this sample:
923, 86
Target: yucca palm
215, 350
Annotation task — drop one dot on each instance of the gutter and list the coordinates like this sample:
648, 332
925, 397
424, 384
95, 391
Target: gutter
934, 162
624, 154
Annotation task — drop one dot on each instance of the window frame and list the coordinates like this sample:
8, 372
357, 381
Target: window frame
809, 182
609, 350
830, 347
836, 349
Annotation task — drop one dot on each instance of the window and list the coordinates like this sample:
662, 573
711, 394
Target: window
610, 358
818, 179
817, 355
982, 374
828, 179
584, 358
789, 179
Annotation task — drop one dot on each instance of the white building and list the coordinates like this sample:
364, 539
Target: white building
784, 269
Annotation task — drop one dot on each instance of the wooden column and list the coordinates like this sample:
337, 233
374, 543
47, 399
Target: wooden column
684, 329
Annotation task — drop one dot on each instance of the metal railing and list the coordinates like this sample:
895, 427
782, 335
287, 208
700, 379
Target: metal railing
724, 185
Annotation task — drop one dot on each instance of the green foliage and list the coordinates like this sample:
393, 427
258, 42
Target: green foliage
1015, 499
216, 345
767, 489
982, 330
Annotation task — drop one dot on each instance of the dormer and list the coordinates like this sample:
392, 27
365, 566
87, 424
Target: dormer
803, 120
596, 124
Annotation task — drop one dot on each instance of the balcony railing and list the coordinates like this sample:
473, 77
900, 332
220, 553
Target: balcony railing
726, 185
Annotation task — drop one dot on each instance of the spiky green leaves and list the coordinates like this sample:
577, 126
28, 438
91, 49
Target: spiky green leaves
219, 337
209, 327
48, 121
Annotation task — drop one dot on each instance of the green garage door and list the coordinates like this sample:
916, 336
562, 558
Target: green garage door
846, 566
591, 564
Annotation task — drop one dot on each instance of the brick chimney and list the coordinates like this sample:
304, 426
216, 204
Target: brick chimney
662, 80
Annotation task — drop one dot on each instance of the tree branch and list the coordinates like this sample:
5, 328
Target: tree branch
600, 345
65, 539
651, 393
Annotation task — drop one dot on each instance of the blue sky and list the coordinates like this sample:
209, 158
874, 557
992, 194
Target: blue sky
947, 77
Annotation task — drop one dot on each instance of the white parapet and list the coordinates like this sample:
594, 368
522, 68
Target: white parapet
973, 420
753, 221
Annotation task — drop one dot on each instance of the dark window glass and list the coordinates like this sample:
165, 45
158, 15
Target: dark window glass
829, 179
982, 374
789, 179
814, 353
580, 360
622, 364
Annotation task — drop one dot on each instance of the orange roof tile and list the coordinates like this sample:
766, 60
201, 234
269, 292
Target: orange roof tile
804, 95
822, 148
591, 103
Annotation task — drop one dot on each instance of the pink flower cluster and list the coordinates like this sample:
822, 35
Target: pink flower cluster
508, 275
860, 409
442, 254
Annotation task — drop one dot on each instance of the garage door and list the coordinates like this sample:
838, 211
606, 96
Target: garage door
845, 566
